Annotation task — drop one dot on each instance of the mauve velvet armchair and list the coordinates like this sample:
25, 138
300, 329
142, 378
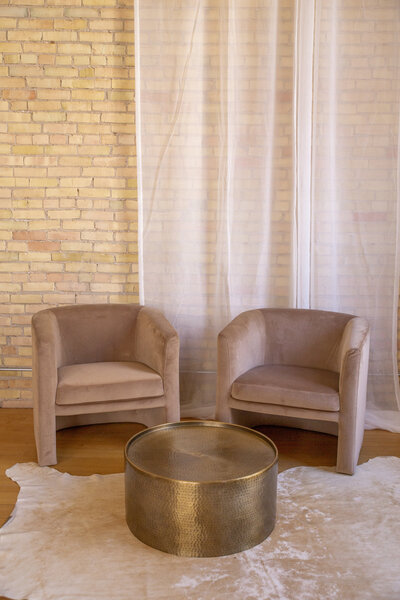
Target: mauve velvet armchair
95, 363
307, 365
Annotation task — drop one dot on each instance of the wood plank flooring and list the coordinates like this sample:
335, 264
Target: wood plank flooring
100, 449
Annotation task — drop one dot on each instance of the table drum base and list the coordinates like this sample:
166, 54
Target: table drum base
182, 495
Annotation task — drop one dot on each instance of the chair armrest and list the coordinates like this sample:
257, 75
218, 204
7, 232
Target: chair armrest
156, 341
353, 377
46, 356
355, 336
241, 346
157, 345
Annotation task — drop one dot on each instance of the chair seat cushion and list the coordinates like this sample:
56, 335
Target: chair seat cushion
105, 381
299, 387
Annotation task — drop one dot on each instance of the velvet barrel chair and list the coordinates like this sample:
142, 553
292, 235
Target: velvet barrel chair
309, 367
97, 363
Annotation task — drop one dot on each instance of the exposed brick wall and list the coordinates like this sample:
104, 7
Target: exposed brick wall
68, 229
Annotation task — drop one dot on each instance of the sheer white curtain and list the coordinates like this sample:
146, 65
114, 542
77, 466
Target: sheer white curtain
267, 142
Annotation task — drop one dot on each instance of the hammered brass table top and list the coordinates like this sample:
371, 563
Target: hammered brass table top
201, 451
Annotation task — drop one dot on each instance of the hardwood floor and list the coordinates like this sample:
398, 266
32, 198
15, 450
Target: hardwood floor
100, 449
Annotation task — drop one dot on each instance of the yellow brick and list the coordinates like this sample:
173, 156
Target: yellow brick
7, 182
29, 58
87, 94
43, 224
61, 192
103, 150
87, 83
92, 36
49, 116
81, 60
27, 149
31, 36
113, 268
74, 49
123, 83
61, 71
37, 24
89, 72
98, 60
43, 181
9, 59
46, 267
75, 160
45, 82
48, 94
30, 171
81, 12
98, 2
124, 38
26, 298
116, 117
109, 183
64, 214
46, 12
11, 267
127, 298
9, 394
24, 71
108, 49
116, 13
121, 95
98, 171
106, 24
17, 82
38, 286
111, 72
70, 24
18, 106
63, 60
40, 105
9, 46
13, 11
39, 47
75, 181
59, 36
124, 193
74, 105
24, 128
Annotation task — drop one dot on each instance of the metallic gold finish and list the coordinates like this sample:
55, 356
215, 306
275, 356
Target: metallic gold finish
200, 488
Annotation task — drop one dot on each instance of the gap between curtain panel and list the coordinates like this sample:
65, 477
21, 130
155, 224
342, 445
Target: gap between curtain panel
302, 142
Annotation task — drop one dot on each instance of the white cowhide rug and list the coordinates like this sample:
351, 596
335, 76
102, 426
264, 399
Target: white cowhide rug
336, 537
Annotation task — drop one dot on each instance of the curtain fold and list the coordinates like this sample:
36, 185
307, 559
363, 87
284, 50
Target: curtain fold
268, 175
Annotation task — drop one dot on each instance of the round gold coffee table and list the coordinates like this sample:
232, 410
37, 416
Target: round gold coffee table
200, 488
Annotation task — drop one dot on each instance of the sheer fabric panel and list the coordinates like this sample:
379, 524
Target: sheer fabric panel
267, 134
355, 179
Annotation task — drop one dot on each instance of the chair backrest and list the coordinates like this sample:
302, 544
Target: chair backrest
304, 337
96, 332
